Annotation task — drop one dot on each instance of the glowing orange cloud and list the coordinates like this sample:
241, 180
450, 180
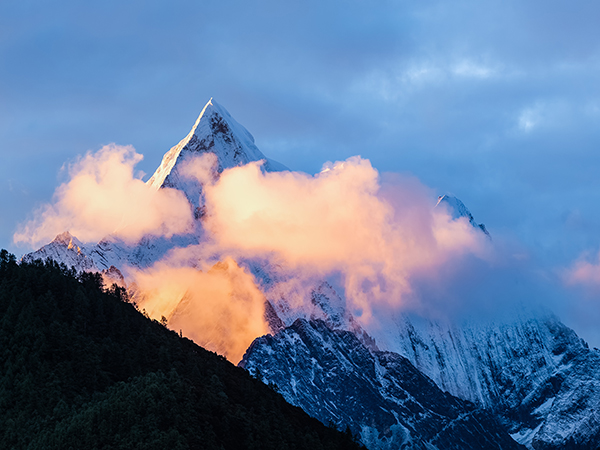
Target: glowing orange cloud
104, 197
219, 308
338, 220
344, 220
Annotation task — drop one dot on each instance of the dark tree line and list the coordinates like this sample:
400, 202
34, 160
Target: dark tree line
80, 367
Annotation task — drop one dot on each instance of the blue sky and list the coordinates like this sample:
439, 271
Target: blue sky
495, 102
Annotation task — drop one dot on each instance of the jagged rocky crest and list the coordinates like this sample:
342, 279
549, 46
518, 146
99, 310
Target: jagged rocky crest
443, 386
534, 375
457, 209
333, 376
216, 132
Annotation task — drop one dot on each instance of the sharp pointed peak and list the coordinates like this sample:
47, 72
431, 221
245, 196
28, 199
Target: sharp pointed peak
64, 237
67, 239
215, 131
457, 209
211, 108
218, 120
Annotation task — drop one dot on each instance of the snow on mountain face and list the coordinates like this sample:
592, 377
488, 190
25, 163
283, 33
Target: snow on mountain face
572, 418
215, 131
515, 369
535, 376
458, 209
109, 252
66, 249
475, 361
379, 395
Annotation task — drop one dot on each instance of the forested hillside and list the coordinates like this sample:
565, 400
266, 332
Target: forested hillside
80, 367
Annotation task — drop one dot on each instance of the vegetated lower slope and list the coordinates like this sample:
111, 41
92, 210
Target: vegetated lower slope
82, 368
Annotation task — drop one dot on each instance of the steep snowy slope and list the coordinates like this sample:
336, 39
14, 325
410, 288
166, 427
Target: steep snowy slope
515, 369
478, 361
535, 376
458, 209
571, 406
214, 131
379, 395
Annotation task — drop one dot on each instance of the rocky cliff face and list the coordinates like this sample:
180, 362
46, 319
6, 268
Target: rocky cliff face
379, 395
534, 375
515, 369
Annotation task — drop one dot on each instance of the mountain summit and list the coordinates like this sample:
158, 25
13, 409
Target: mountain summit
457, 209
215, 131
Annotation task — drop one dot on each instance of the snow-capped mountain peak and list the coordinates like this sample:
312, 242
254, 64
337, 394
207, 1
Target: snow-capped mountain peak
67, 249
68, 240
215, 131
214, 122
457, 209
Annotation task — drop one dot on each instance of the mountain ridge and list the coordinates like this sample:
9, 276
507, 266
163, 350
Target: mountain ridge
484, 366
380, 395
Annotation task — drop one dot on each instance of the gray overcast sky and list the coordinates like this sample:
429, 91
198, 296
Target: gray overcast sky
495, 102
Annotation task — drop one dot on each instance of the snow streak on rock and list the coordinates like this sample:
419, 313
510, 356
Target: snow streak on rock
379, 395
